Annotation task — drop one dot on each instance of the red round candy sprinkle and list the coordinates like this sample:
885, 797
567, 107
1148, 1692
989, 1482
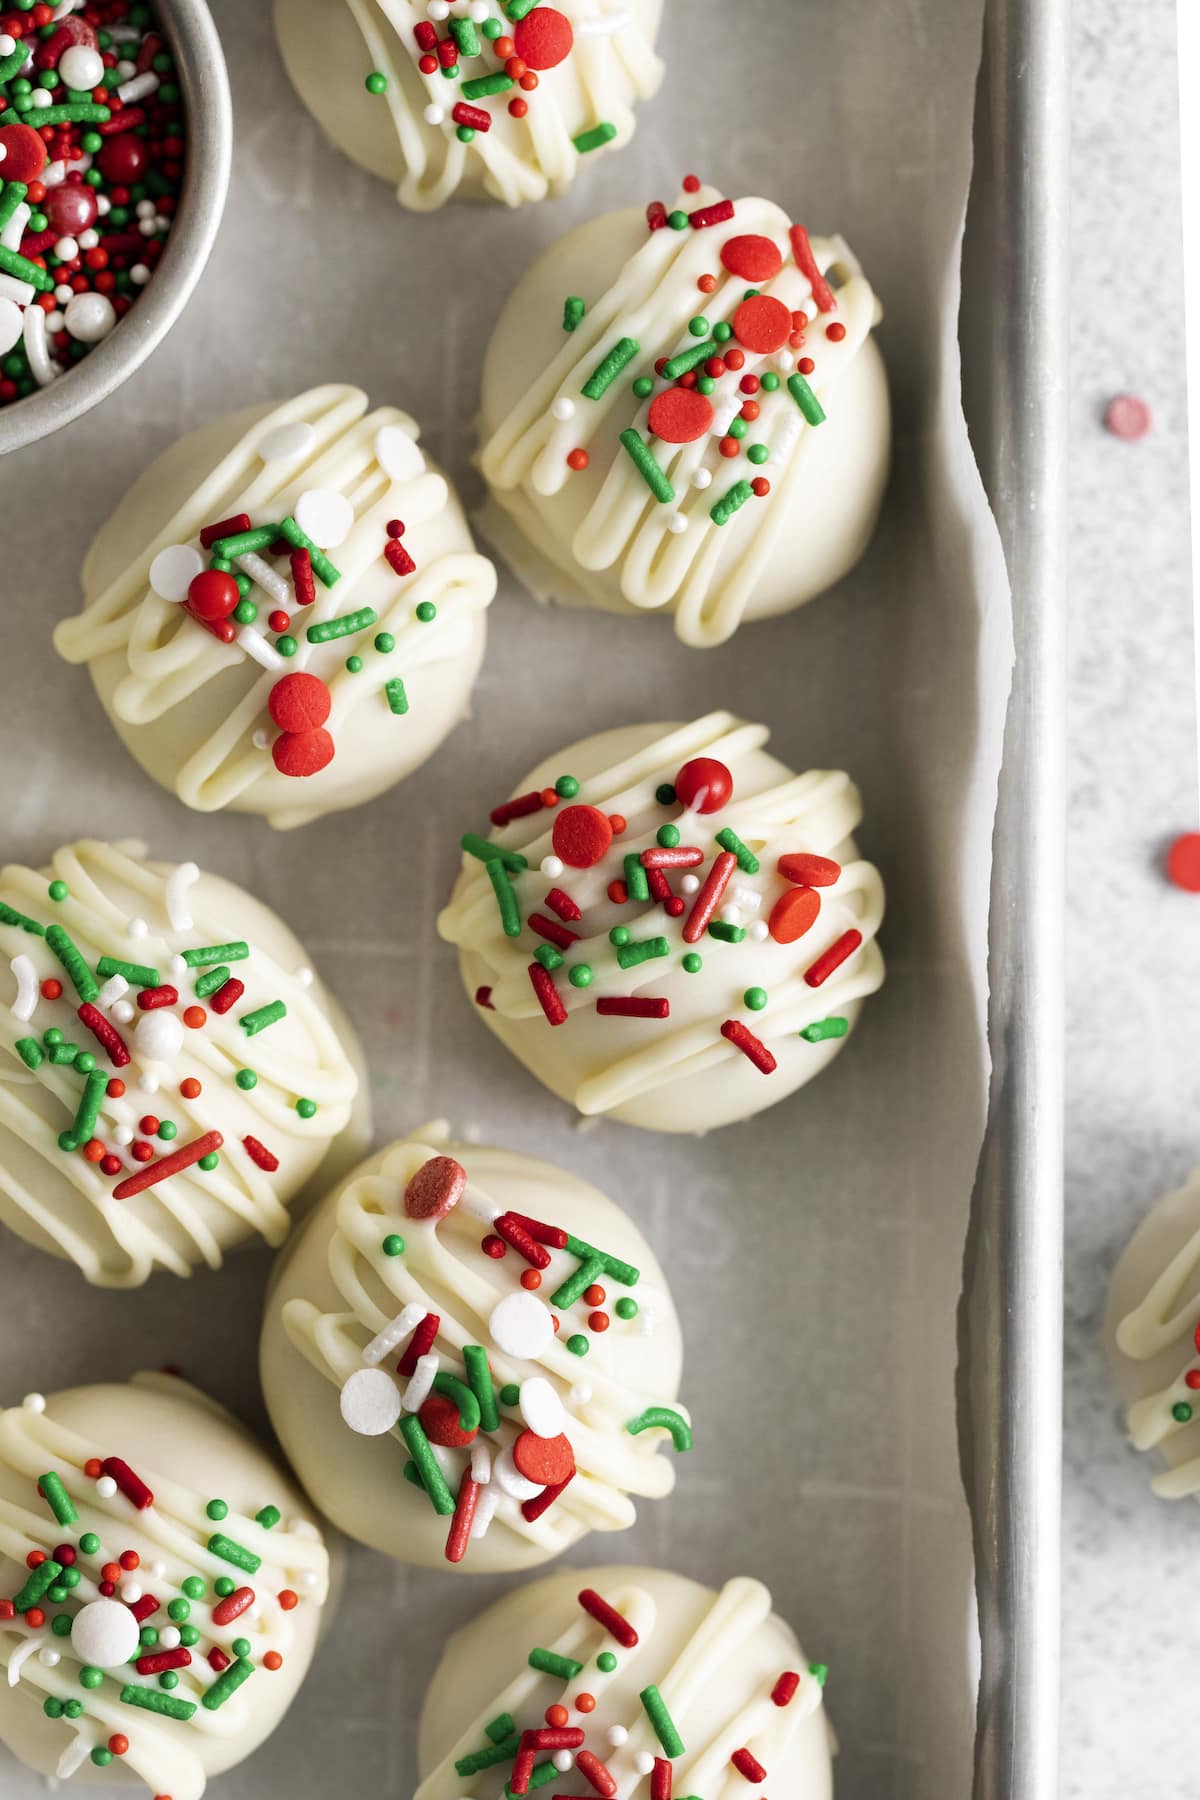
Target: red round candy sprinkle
807, 870
1126, 415
680, 415
494, 1246
435, 1189
71, 207
439, 1420
543, 38
704, 785
545, 1460
762, 324
1183, 862
123, 158
582, 835
24, 152
302, 752
51, 988
793, 914
299, 702
752, 258
212, 594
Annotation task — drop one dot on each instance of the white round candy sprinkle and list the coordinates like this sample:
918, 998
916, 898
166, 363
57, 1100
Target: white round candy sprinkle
478, 10
130, 1591
563, 408
580, 1394
563, 1760
522, 1326
438, 9
293, 439
261, 740
551, 866
541, 1408
758, 930
149, 1082
434, 114
325, 516
397, 453
159, 1035
106, 1487
702, 478
138, 928
689, 884
617, 1735
168, 1637
732, 915
66, 249
48, 1658
34, 1403
12, 323
89, 317
304, 976
173, 570
81, 67
158, 1569
104, 1633
370, 1402
643, 1762
677, 524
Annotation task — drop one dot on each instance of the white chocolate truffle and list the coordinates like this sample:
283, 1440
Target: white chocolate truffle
385, 652
1151, 1326
716, 1660
736, 976
347, 1316
593, 60
154, 1468
118, 1067
659, 518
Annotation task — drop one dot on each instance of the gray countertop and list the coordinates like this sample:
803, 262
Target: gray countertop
1131, 1628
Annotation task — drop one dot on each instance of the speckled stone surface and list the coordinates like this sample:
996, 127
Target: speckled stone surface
1131, 1624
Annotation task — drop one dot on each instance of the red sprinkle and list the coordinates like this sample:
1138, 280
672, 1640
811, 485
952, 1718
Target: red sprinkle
709, 897
716, 214
808, 871
547, 993
833, 958
483, 997
581, 836
595, 1773
224, 528
420, 1343
435, 1189
1128, 416
131, 1485
552, 930
632, 1006
752, 258
143, 1609
806, 262
599, 1609
748, 1765
1183, 862
514, 1233
656, 215
661, 1779
162, 1660
397, 557
474, 116
519, 808
217, 1659
149, 998
793, 914
533, 1509
744, 1040
562, 904
303, 579
105, 1034
687, 856
166, 1166
785, 1688
762, 324
233, 1606
227, 995
680, 415
459, 1535
554, 1235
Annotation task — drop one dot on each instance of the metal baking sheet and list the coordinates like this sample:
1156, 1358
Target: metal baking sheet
833, 1230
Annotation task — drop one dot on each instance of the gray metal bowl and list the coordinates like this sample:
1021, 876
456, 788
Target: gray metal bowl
196, 47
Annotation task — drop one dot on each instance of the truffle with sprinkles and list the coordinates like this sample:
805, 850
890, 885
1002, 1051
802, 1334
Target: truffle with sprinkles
667, 926
1152, 1327
631, 1682
473, 99
472, 1358
171, 1069
684, 412
161, 1587
92, 146
286, 614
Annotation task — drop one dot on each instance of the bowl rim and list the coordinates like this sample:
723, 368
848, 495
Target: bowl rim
196, 46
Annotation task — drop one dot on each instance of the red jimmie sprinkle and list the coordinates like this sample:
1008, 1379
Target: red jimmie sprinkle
144, 1608
595, 1773
483, 997
149, 998
474, 116
660, 887
533, 1509
598, 1608
547, 993
784, 1690
833, 958
420, 1343
259, 1155
397, 558
514, 1233
660, 1779
162, 1660
687, 856
522, 1769
709, 897
131, 1485
552, 930
233, 1606
223, 527
806, 262
554, 1737
748, 1765
744, 1040
227, 995
554, 1235
303, 579
562, 904
631, 1006
459, 1534
167, 1166
109, 1038
656, 215
426, 35
217, 1659
716, 214
518, 808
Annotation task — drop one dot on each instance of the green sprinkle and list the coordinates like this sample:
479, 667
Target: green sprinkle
770, 382
268, 1517
137, 974
693, 963
393, 1244
596, 138
480, 1377
79, 112
245, 612
668, 836
1181, 1412
493, 28
620, 1271
586, 1275
20, 266
620, 934
727, 933
626, 1308
84, 1123
664, 1418
480, 86
101, 1755
805, 399
486, 851
755, 998
73, 1708
501, 1727
747, 861
216, 953
232, 1552
644, 950
345, 625
167, 1130
89, 1543
665, 794
635, 877
661, 1720
758, 454
463, 32
376, 82
577, 1344
609, 367
262, 1016
549, 1662
691, 358
289, 529
549, 957
52, 1708
10, 916
643, 387
706, 385
516, 9
247, 543
148, 1637
53, 1492
454, 1388
226, 1684
85, 1062
510, 1393
91, 1677
573, 311
286, 645
566, 787
427, 612
29, 1051
825, 1028
606, 1662
385, 643
728, 504
819, 1673
430, 1470
647, 465
738, 428
246, 1079
241, 1646
189, 1637
213, 979
580, 975
544, 1773
506, 899
306, 1108
151, 1700
168, 1678
698, 327
397, 699
179, 1611
217, 1510
41, 1578
354, 665
73, 961
490, 1755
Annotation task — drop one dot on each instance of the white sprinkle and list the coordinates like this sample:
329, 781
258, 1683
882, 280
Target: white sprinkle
643, 1762
149, 1082
21, 292
130, 1591
393, 1335
261, 739
485, 1507
49, 1658
786, 360
159, 1036
370, 1402
563, 1760
24, 1005
677, 524
168, 1637
478, 10
104, 1633
758, 930
689, 884
257, 648
420, 1385
179, 965
580, 1394
122, 1135
40, 96
551, 866
123, 1011
434, 114
34, 1403
563, 408
37, 346
12, 323
266, 577
701, 478
438, 9
732, 915
139, 274
296, 438
111, 992
81, 67
138, 928
308, 1578
89, 239
158, 1569
481, 1462
305, 976
509, 1478
522, 1326
541, 1408
325, 516
140, 88
397, 453
617, 1735
182, 877
90, 317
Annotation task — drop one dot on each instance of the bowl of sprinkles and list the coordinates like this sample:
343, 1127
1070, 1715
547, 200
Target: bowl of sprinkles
115, 134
